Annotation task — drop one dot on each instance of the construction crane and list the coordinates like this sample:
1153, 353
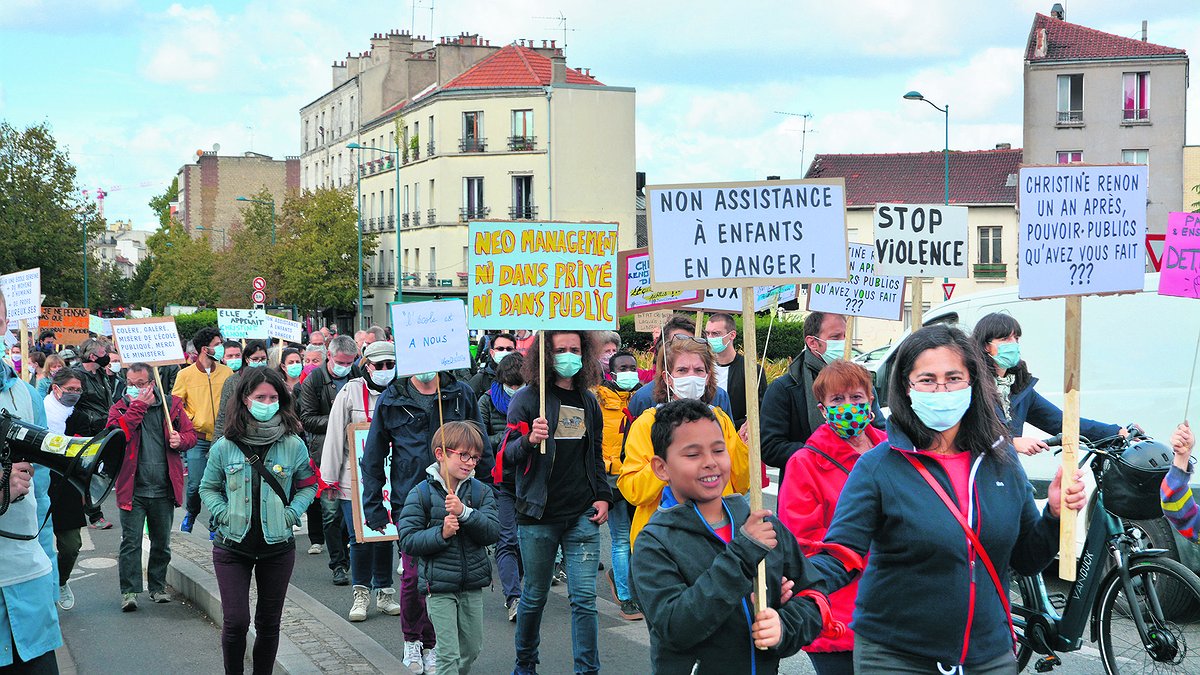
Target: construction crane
100, 193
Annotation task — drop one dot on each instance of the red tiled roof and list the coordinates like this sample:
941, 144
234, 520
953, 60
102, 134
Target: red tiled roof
976, 177
1069, 41
514, 66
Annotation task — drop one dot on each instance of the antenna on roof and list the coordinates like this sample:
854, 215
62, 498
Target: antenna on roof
804, 132
561, 19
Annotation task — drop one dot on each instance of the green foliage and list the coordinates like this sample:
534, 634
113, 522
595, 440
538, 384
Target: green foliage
108, 288
183, 269
161, 204
787, 337
317, 250
248, 255
189, 324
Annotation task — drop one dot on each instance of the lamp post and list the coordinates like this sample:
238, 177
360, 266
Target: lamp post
396, 152
917, 301
85, 265
215, 229
264, 201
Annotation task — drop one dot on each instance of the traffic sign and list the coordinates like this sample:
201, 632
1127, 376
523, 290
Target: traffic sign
259, 283
948, 290
258, 297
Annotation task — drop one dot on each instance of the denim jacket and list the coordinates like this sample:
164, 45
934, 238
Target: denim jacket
225, 488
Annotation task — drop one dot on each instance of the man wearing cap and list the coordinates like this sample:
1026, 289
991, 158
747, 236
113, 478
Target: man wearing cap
370, 563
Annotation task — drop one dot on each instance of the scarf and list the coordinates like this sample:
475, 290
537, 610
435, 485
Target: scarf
264, 433
1004, 387
809, 369
500, 398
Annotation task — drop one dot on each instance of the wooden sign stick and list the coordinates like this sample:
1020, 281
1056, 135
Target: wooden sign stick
750, 345
918, 303
1070, 436
542, 383
441, 441
849, 351
699, 323
163, 395
24, 350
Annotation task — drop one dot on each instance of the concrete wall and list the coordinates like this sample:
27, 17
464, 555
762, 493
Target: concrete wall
1104, 133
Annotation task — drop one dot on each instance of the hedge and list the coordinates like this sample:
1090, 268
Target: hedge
190, 324
787, 337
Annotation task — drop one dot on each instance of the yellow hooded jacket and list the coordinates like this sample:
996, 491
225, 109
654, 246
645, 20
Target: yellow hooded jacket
614, 406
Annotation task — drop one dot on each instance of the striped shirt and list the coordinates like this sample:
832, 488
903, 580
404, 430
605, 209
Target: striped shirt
1178, 504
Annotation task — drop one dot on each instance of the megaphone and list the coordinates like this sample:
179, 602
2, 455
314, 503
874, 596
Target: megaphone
91, 465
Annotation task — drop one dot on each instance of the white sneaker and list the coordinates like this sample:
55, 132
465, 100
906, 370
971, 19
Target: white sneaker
385, 601
429, 656
412, 658
362, 598
316, 549
66, 598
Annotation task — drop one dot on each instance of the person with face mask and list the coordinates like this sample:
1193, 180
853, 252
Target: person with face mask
493, 409
257, 484
65, 394
999, 335
50, 368
254, 355
932, 597
685, 370
198, 388
720, 331
790, 413
503, 346
90, 414
815, 476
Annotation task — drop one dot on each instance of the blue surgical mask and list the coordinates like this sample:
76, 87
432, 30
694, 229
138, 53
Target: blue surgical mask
339, 371
834, 350
1008, 354
260, 364
218, 352
234, 364
132, 391
425, 378
626, 380
263, 411
295, 369
940, 410
718, 344
497, 357
567, 364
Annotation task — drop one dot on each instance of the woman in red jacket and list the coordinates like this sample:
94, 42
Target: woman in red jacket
813, 481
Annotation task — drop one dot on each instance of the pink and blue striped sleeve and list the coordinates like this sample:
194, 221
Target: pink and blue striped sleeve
1179, 505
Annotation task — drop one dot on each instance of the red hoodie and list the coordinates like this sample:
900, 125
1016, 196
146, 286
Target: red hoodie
127, 414
808, 497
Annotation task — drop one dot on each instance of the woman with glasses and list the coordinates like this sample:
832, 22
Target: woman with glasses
254, 355
945, 510
999, 335
65, 390
685, 370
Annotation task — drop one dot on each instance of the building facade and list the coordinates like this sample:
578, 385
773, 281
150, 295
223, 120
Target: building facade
1098, 98
209, 188
121, 246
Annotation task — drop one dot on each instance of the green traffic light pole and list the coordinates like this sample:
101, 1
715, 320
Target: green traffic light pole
396, 152
264, 201
85, 270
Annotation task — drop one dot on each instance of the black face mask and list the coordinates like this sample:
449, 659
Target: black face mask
101, 361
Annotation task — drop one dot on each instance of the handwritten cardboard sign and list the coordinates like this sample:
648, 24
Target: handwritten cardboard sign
542, 275
921, 240
1181, 256
864, 294
283, 329
729, 300
99, 325
430, 336
242, 324
634, 289
22, 295
356, 436
1082, 230
718, 235
647, 322
151, 341
70, 324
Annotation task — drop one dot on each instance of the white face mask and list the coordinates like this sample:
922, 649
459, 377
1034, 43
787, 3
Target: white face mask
383, 378
689, 387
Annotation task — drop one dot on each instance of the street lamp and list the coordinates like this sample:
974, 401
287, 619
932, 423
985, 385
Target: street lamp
358, 180
396, 152
215, 229
264, 201
85, 265
917, 288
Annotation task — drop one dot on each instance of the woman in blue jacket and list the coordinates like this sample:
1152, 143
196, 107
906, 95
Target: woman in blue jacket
999, 335
933, 598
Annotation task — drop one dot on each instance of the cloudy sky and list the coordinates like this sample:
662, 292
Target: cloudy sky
133, 89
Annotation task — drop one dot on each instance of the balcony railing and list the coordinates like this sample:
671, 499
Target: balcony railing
391, 224
391, 278
991, 271
522, 143
472, 145
477, 213
431, 216
429, 149
416, 218
1135, 115
404, 220
415, 152
522, 213
1070, 117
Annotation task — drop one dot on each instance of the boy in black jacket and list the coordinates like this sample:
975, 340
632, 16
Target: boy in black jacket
447, 528
694, 564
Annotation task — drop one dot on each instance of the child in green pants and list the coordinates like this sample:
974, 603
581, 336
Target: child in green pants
447, 522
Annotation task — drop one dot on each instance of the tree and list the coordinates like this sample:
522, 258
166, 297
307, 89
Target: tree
317, 251
43, 216
183, 268
248, 255
161, 204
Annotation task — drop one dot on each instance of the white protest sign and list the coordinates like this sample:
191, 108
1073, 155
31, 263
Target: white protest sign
718, 235
151, 341
99, 326
729, 300
865, 294
921, 240
430, 336
284, 329
1082, 230
242, 324
23, 295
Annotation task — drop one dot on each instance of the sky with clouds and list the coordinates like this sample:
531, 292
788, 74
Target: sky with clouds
132, 89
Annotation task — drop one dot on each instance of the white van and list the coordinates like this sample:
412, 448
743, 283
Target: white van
1137, 357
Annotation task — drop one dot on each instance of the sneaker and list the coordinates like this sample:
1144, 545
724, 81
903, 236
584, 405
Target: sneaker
362, 598
66, 598
429, 657
316, 549
512, 609
631, 611
129, 602
160, 597
612, 584
340, 578
385, 601
189, 519
412, 658
101, 524
560, 575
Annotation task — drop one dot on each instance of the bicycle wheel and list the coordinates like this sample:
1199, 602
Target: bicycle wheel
1021, 595
1173, 639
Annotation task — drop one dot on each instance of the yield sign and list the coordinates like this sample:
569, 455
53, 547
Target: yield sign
948, 290
1155, 260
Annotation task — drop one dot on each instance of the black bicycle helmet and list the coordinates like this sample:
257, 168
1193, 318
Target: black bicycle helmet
1132, 481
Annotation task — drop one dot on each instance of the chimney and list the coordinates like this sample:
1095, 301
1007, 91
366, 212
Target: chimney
1004, 146
552, 44
1057, 11
1143, 30
558, 69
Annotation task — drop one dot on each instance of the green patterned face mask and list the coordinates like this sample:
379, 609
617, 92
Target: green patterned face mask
848, 419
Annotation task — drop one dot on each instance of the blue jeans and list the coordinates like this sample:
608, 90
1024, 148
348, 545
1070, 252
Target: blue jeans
580, 540
508, 549
370, 562
618, 527
197, 459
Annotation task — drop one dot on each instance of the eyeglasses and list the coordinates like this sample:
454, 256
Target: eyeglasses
930, 385
466, 457
384, 365
504, 349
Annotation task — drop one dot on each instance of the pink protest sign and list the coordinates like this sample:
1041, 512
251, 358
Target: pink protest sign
1181, 257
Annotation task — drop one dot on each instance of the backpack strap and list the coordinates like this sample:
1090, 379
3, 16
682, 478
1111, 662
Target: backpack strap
264, 475
423, 495
835, 462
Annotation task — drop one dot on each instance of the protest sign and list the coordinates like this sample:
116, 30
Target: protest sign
100, 326
921, 240
283, 329
729, 300
23, 294
1181, 256
1082, 230
151, 341
70, 324
865, 294
430, 336
537, 276
648, 322
242, 324
356, 436
634, 289
717, 235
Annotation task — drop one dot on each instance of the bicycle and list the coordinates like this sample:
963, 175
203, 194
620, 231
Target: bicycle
1144, 609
